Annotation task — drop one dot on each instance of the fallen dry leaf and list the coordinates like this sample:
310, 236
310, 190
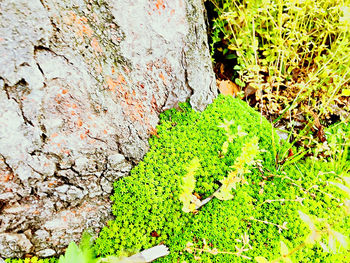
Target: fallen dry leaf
227, 87
249, 90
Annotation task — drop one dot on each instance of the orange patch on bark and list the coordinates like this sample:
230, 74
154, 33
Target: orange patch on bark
6, 177
163, 78
113, 84
87, 30
81, 25
98, 69
160, 4
121, 79
96, 45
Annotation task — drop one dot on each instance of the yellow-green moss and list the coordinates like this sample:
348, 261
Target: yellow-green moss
148, 211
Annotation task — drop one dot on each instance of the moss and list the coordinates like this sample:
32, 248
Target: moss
32, 260
147, 208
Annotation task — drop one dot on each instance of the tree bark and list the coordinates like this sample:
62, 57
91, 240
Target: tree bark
82, 83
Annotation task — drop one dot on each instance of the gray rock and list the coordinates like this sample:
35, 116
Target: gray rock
106, 185
71, 194
15, 208
40, 239
14, 245
62, 189
46, 253
75, 193
114, 160
82, 84
111, 176
81, 164
7, 196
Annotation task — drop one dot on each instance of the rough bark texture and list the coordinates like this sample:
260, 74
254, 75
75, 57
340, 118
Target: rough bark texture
81, 86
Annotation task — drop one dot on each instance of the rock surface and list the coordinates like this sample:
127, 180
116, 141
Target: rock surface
82, 83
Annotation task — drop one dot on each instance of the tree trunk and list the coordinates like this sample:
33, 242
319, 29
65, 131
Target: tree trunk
82, 83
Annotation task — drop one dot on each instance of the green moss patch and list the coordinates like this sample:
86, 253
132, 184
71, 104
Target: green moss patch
32, 260
148, 211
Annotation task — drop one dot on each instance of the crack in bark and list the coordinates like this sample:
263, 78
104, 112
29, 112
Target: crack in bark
56, 29
206, 21
39, 48
184, 65
66, 180
25, 119
15, 98
40, 152
7, 164
95, 138
2, 206
105, 167
35, 170
41, 70
6, 91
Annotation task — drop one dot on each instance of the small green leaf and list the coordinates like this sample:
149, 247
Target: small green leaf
331, 243
345, 92
285, 252
342, 187
239, 42
190, 202
324, 247
346, 179
73, 255
307, 220
341, 238
239, 82
284, 249
231, 56
111, 259
261, 260
313, 237
225, 147
223, 194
